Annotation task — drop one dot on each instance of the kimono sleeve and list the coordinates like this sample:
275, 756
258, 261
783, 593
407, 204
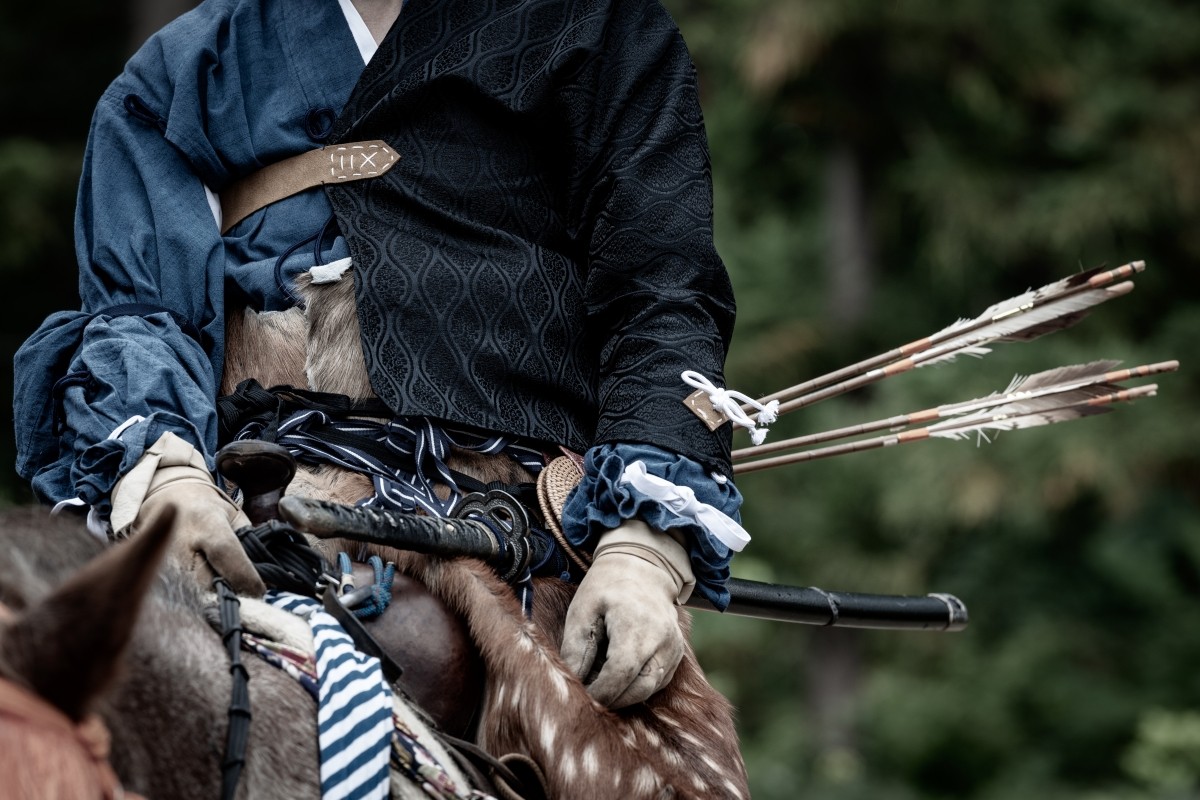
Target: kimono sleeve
147, 342
659, 300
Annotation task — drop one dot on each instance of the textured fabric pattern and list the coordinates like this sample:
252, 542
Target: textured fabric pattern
416, 452
413, 760
354, 707
540, 260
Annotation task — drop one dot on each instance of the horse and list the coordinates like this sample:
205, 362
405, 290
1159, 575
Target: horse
116, 682
124, 682
127, 654
161, 685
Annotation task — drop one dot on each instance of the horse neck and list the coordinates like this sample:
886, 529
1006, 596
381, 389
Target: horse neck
169, 706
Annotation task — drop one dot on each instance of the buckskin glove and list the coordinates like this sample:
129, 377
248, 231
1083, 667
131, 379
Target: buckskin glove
622, 624
173, 473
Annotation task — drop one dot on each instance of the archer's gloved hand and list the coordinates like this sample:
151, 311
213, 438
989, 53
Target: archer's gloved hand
623, 618
173, 473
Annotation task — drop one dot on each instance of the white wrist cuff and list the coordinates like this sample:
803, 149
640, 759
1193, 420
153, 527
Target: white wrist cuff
682, 500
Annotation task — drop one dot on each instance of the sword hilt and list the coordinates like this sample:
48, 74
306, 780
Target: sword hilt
429, 535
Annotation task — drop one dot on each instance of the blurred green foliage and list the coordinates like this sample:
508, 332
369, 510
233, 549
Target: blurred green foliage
882, 169
995, 147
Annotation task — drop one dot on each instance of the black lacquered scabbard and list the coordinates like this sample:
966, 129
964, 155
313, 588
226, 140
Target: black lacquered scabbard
809, 605
467, 537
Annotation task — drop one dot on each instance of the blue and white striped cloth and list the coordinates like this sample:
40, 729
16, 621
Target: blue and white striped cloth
354, 708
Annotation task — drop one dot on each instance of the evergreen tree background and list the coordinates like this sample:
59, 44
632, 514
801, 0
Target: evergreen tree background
882, 169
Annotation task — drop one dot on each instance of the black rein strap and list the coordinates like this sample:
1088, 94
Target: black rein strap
238, 733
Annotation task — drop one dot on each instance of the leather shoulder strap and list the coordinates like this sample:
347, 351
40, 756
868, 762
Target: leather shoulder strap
335, 163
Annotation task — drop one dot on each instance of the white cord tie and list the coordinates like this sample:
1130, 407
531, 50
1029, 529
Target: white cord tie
682, 501
730, 402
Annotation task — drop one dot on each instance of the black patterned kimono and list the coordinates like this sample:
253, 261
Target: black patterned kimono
540, 260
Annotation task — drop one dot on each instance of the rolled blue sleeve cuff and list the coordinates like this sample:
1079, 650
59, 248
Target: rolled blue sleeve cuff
100, 466
601, 502
122, 367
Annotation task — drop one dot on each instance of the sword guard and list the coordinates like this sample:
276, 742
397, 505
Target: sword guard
503, 512
496, 505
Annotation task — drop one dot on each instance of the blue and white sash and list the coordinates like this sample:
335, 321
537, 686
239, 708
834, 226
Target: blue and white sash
415, 447
354, 710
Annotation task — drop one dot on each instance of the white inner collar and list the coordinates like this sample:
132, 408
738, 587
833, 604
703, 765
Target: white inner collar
358, 29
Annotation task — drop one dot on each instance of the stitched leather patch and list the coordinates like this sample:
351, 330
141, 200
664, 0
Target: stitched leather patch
358, 160
702, 407
335, 163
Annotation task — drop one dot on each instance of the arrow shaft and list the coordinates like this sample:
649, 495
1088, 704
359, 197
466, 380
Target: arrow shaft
1052, 293
946, 429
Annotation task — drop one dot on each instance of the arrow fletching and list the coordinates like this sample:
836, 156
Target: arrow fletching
1027, 316
1047, 318
1038, 411
1059, 379
1007, 415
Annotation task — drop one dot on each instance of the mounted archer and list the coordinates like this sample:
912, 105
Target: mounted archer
516, 200
517, 196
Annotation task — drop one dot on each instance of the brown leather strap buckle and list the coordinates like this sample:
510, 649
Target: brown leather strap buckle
335, 163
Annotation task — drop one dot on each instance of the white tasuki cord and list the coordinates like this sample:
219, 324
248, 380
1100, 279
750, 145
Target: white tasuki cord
681, 500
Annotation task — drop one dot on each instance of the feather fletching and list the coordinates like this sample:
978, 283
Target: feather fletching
1060, 407
1023, 302
1047, 318
1027, 316
1063, 377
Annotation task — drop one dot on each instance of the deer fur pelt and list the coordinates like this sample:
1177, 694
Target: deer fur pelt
681, 743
